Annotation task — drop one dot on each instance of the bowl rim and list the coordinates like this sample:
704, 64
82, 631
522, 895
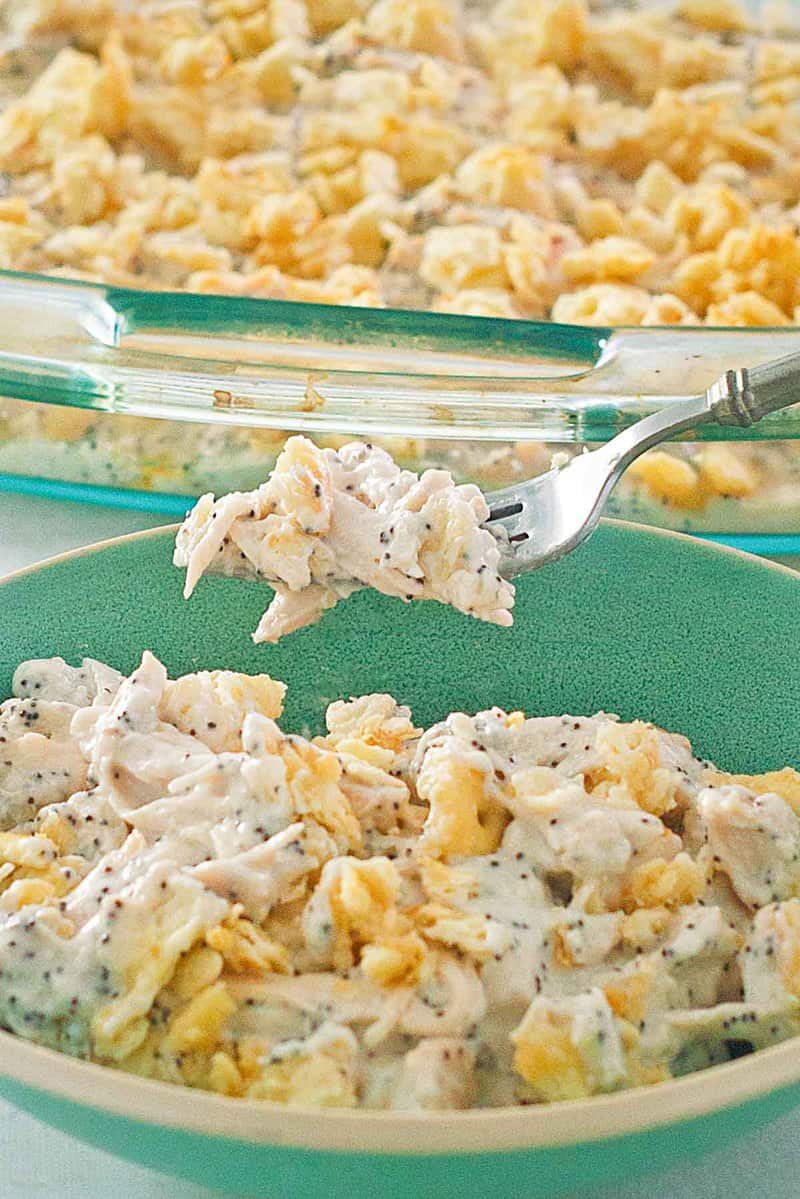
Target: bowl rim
557, 1125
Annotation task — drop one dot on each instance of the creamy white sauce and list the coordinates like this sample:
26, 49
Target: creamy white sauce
395, 969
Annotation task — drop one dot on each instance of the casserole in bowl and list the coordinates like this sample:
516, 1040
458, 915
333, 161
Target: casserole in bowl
591, 633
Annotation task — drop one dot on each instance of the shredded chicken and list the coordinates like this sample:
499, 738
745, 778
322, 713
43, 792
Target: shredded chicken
493, 911
327, 523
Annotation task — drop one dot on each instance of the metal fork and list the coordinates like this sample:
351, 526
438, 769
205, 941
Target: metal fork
542, 520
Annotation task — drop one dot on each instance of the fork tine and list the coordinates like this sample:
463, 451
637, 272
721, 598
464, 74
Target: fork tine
507, 495
514, 526
512, 508
518, 493
505, 510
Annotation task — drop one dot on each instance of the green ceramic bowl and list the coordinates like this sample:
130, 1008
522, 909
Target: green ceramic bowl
639, 622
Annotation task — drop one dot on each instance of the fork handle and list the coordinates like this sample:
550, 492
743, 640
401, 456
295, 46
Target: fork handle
741, 397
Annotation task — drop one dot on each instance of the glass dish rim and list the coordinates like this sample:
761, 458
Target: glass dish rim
300, 367
226, 311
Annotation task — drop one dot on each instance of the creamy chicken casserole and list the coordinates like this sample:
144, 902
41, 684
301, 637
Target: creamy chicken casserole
514, 158
495, 910
326, 524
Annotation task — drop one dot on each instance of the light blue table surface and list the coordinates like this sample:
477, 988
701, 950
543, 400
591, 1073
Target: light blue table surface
37, 1163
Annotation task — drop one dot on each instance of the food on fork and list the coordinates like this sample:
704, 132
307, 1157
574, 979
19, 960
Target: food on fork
494, 911
329, 522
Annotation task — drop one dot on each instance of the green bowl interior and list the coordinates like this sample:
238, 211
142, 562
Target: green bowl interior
646, 624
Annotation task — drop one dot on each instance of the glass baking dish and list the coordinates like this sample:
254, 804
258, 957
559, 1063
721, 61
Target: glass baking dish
146, 398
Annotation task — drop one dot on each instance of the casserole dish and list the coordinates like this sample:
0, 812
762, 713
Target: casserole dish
214, 178
147, 400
